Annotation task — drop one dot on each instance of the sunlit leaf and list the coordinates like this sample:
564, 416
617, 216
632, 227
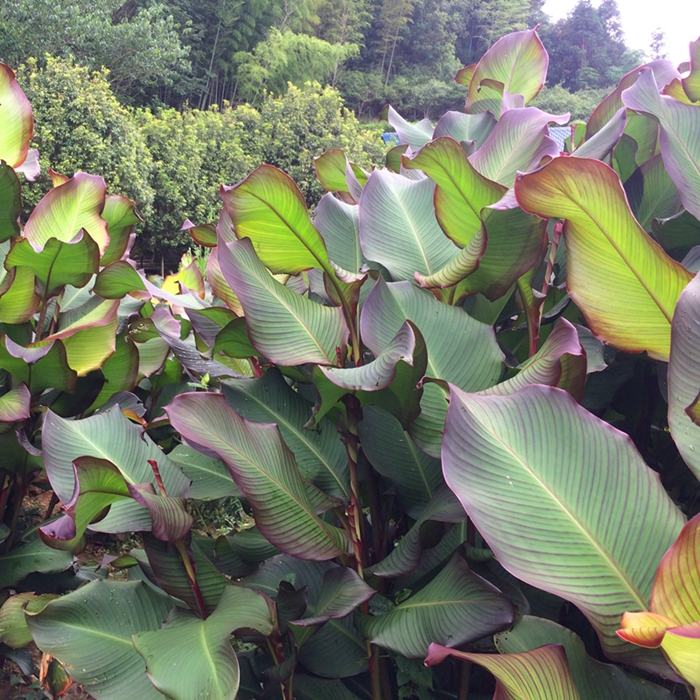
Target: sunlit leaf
15, 404
16, 118
415, 135
18, 299
339, 224
117, 280
120, 214
691, 83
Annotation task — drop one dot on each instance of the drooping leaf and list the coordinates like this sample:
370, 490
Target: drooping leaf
88, 349
398, 227
31, 557
594, 680
40, 367
170, 520
330, 171
465, 127
286, 328
456, 607
597, 502
264, 470
319, 454
65, 210
15, 405
415, 135
339, 224
13, 627
10, 202
615, 272
680, 147
117, 280
518, 143
600, 144
540, 674
101, 618
120, 214
190, 657
16, 117
518, 61
18, 298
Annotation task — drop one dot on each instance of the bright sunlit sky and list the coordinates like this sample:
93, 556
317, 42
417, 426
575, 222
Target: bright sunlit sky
679, 19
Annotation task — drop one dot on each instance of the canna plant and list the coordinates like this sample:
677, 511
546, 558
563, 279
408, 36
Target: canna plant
457, 405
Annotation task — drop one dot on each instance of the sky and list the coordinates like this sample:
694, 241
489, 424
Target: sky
679, 19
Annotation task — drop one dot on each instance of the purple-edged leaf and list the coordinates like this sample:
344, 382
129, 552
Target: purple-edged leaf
561, 362
204, 234
170, 521
398, 227
18, 298
31, 169
415, 135
15, 405
331, 171
10, 202
462, 265
684, 375
219, 285
680, 145
665, 71
406, 556
339, 224
117, 280
283, 326
121, 217
456, 607
465, 127
40, 367
341, 592
691, 83
31, 557
264, 470
16, 118
540, 674
518, 143
591, 493
518, 61
464, 75
600, 144
268, 208
66, 210
98, 484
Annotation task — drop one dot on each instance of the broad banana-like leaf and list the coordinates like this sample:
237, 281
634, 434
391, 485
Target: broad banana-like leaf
16, 118
65, 210
679, 124
406, 556
190, 657
331, 171
620, 278
10, 202
540, 674
268, 208
170, 520
684, 376
651, 193
90, 632
461, 192
664, 70
210, 478
15, 404
93, 313
341, 592
601, 144
465, 127
40, 366
415, 135
561, 361
334, 651
120, 214
691, 83
594, 680
394, 455
518, 143
591, 492
89, 348
339, 224
456, 607
518, 61
31, 557
398, 227
319, 454
265, 471
120, 371
13, 627
117, 280
286, 328
18, 298
98, 484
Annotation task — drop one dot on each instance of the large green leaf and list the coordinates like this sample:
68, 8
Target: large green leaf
121, 217
415, 135
210, 477
18, 300
540, 674
619, 277
456, 607
10, 202
15, 405
651, 193
268, 208
31, 557
13, 627
193, 658
680, 145
285, 327
684, 375
398, 227
65, 210
111, 436
594, 680
394, 455
120, 371
518, 143
339, 224
319, 454
265, 471
563, 499
16, 119
117, 280
89, 631
465, 127
517, 61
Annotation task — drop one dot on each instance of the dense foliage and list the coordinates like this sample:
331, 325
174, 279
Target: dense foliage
456, 409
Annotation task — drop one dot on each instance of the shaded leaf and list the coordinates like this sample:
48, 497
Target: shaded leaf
31, 557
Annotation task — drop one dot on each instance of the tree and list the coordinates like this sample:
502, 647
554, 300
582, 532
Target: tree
657, 48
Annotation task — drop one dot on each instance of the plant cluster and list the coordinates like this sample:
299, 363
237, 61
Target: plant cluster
458, 406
